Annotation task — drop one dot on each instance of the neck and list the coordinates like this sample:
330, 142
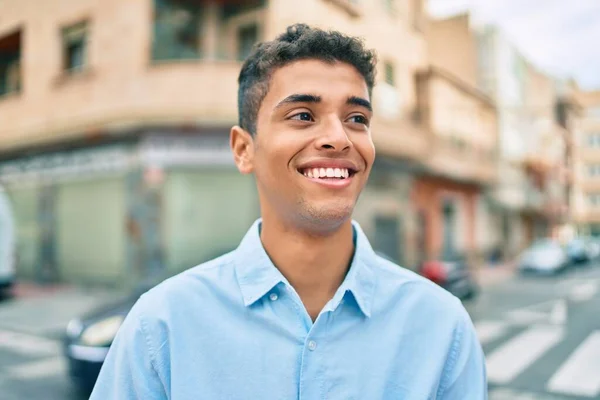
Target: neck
315, 264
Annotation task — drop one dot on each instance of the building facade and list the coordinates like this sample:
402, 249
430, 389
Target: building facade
586, 165
115, 120
461, 167
530, 200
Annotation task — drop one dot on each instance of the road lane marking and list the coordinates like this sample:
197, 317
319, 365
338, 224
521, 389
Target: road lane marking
488, 331
512, 358
580, 374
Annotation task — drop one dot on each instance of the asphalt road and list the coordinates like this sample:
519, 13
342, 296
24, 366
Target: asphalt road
541, 336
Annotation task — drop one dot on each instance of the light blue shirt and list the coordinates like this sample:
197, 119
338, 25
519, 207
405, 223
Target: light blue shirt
234, 328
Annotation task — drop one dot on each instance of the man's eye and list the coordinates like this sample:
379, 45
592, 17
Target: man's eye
304, 116
359, 119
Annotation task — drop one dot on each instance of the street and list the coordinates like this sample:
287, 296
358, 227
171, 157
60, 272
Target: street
541, 336
31, 326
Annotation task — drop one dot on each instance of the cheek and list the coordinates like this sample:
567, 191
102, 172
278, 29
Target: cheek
272, 163
366, 149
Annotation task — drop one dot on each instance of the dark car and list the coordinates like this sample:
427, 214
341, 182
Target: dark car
578, 251
451, 273
88, 338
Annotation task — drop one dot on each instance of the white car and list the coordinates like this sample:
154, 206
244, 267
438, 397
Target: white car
544, 256
7, 244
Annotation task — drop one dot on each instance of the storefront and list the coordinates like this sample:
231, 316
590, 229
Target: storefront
447, 217
119, 213
385, 212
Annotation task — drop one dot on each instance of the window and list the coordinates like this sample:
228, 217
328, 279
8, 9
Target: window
593, 140
177, 27
10, 64
390, 6
594, 170
593, 112
75, 38
594, 199
247, 37
233, 8
389, 74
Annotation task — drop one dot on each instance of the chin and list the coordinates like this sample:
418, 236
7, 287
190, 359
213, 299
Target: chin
328, 214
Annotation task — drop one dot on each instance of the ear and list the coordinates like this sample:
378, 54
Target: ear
242, 146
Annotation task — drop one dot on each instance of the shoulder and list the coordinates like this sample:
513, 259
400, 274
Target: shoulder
195, 285
399, 284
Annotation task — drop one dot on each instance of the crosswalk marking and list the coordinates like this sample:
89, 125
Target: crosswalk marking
580, 374
489, 330
508, 361
583, 292
28, 344
512, 394
39, 369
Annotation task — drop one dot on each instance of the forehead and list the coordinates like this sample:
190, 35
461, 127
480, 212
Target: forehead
327, 80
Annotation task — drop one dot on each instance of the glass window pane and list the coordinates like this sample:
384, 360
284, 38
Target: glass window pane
75, 39
177, 27
247, 38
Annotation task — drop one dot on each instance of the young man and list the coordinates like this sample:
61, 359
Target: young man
303, 308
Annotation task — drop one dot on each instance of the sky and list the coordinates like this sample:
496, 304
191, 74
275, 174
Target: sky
561, 37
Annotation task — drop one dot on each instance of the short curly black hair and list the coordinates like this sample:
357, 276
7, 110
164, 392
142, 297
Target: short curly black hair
299, 42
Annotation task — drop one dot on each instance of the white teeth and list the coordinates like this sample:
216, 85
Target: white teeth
326, 173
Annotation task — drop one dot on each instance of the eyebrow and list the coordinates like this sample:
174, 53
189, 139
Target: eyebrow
359, 101
311, 98
299, 98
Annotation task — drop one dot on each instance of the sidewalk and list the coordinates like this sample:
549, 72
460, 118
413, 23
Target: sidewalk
491, 275
45, 310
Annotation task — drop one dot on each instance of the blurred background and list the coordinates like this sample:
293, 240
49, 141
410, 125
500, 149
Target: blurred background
115, 170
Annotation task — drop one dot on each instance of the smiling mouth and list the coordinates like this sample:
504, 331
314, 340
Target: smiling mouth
327, 173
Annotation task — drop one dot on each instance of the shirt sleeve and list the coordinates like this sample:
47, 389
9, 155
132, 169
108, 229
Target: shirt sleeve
129, 371
465, 376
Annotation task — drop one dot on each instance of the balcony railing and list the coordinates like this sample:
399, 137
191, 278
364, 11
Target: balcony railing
462, 160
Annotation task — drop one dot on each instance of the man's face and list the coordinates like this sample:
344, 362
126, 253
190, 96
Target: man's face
313, 150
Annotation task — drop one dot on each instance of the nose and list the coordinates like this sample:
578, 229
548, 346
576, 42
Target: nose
333, 137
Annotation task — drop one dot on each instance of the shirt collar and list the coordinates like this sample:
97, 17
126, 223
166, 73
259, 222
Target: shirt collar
255, 271
257, 275
360, 280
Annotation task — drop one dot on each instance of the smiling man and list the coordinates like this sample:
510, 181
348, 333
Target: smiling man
303, 308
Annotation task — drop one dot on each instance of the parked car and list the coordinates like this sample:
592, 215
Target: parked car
578, 251
88, 338
593, 248
453, 274
7, 245
545, 256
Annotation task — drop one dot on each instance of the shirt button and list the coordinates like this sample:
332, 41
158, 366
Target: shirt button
273, 296
312, 345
